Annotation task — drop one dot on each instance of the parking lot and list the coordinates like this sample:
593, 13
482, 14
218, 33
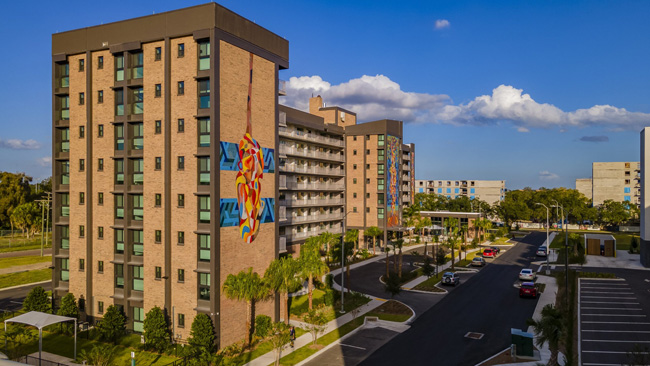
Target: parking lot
612, 321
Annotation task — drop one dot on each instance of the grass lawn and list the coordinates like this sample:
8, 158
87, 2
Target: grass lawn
22, 261
501, 241
20, 242
300, 304
429, 284
22, 278
392, 311
260, 349
623, 240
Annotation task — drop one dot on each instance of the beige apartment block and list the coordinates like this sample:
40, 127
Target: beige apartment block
584, 186
616, 181
490, 191
161, 126
408, 174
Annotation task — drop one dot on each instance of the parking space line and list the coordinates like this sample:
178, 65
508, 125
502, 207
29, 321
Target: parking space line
612, 341
616, 331
610, 297
347, 345
595, 322
611, 302
633, 315
616, 352
617, 309
607, 292
601, 364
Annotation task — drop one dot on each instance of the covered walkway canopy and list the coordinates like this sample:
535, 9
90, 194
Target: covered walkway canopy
40, 321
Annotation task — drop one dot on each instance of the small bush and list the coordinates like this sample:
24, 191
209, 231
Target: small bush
491, 237
37, 300
329, 281
263, 325
417, 239
596, 275
364, 253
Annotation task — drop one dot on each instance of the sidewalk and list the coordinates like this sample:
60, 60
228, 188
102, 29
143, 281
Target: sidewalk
25, 268
409, 285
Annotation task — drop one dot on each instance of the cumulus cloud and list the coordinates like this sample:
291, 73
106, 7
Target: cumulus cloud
16, 144
45, 161
594, 139
546, 175
442, 24
378, 97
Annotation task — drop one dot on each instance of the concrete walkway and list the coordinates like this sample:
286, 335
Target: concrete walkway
56, 358
25, 253
25, 268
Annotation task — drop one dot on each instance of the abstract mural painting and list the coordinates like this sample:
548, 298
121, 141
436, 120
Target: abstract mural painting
392, 162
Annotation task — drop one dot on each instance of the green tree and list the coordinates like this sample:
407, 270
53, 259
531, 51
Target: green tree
37, 300
246, 286
263, 325
27, 217
374, 232
156, 329
421, 223
282, 277
451, 223
280, 336
70, 309
113, 324
311, 265
427, 268
549, 328
464, 229
351, 237
315, 322
202, 333
614, 213
326, 240
14, 191
336, 256
17, 338
393, 285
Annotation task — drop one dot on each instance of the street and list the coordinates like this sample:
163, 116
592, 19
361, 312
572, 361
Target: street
12, 299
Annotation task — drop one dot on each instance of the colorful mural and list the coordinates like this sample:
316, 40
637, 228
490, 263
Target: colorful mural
229, 209
393, 152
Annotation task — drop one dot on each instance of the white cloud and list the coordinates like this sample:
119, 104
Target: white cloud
442, 23
17, 144
546, 175
45, 161
378, 97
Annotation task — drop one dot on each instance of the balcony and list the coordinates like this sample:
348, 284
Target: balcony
406, 157
291, 237
301, 135
312, 218
283, 244
315, 186
293, 168
282, 90
310, 153
406, 167
312, 202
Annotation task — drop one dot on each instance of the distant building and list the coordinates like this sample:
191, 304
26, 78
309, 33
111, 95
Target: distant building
583, 185
490, 191
616, 181
644, 188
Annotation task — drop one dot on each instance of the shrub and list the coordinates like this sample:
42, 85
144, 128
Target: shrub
68, 308
393, 285
202, 333
329, 298
112, 325
491, 237
364, 253
427, 268
417, 239
156, 330
329, 280
263, 325
99, 355
37, 300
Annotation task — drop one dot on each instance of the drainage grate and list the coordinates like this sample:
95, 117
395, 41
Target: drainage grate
474, 335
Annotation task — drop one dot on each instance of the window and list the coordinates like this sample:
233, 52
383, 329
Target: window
158, 272
100, 62
138, 277
181, 125
158, 91
157, 54
100, 198
119, 137
82, 264
181, 200
82, 198
65, 237
448, 190
65, 269
119, 241
354, 180
626, 198
119, 171
119, 275
354, 195
204, 209
354, 209
100, 164
158, 163
63, 72
627, 181
367, 180
181, 163
456, 190
65, 204
367, 152
367, 137
137, 131
380, 140
65, 107
380, 169
65, 140
137, 202
119, 68
158, 127
137, 96
158, 200
354, 152
119, 206
181, 237
100, 130
181, 49
137, 60
204, 286
100, 307
138, 242
204, 132
367, 195
181, 321
158, 236
204, 55
100, 232
65, 172
204, 93
204, 247
138, 319
181, 88
82, 132
204, 170
380, 213
82, 98
82, 64
380, 155
138, 171
472, 190
367, 209
354, 166
626, 190
380, 198
181, 275
119, 102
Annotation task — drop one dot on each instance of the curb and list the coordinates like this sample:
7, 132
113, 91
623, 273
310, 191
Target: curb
23, 285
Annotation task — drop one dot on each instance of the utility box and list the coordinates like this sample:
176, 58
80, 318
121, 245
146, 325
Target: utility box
523, 342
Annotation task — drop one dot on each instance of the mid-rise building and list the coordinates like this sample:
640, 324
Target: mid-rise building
164, 175
644, 188
616, 181
490, 191
584, 186
408, 174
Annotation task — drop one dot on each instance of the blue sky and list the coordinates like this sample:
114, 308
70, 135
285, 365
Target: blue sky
527, 91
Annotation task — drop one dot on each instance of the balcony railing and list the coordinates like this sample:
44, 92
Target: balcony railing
312, 202
311, 153
309, 136
406, 157
315, 185
311, 170
283, 244
313, 218
314, 232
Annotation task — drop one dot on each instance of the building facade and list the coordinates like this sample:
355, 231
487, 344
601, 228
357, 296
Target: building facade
490, 191
408, 174
616, 181
163, 127
584, 186
644, 186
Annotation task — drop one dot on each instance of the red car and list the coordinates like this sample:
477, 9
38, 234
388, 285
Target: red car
528, 289
489, 253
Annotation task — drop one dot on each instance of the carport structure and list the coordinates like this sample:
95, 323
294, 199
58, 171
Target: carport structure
40, 321
595, 244
464, 218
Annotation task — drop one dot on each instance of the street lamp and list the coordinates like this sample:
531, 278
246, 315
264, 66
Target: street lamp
548, 270
343, 262
556, 207
566, 252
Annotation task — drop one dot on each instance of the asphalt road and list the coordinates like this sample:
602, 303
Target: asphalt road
24, 253
486, 303
12, 299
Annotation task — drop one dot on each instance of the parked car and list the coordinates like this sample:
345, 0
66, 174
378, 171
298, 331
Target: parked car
478, 262
541, 251
489, 253
496, 250
527, 275
528, 289
450, 278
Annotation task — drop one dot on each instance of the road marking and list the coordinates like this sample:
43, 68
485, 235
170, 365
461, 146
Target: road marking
594, 322
612, 341
633, 315
347, 345
607, 292
608, 284
617, 309
611, 302
616, 331
616, 352
601, 364
610, 297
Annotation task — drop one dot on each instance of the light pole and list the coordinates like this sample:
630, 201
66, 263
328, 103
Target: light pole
566, 253
557, 205
548, 270
343, 263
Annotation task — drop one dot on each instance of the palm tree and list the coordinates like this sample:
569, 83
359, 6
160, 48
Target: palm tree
311, 264
374, 232
421, 223
282, 277
399, 243
325, 241
452, 230
550, 328
246, 286
463, 232
352, 236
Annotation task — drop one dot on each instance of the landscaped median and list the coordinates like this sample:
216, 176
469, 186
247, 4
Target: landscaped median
24, 278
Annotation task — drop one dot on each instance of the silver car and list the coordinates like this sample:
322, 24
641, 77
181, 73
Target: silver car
450, 278
527, 275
